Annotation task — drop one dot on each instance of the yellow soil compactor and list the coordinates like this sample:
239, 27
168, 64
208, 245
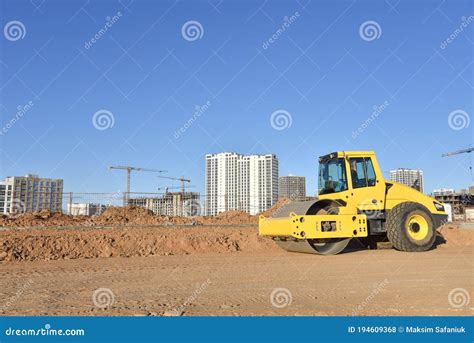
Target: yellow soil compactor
355, 202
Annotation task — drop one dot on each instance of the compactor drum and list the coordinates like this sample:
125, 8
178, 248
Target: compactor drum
355, 202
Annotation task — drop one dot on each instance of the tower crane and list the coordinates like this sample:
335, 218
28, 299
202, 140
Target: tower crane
462, 151
129, 170
182, 179
172, 187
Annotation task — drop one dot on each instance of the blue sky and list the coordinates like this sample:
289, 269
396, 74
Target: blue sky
323, 72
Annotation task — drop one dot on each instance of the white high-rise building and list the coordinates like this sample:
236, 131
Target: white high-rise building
237, 182
410, 177
30, 193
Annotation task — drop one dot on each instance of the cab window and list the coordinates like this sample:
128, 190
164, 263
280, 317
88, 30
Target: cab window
362, 172
358, 174
371, 178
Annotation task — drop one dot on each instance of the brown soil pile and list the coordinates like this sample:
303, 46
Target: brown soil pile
42, 218
131, 215
51, 244
455, 236
118, 216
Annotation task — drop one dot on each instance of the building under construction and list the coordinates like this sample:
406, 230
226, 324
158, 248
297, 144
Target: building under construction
183, 204
459, 201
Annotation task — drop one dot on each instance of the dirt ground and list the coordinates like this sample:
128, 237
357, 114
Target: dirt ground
195, 271
382, 282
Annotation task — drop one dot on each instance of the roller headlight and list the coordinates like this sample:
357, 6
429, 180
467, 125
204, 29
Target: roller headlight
439, 207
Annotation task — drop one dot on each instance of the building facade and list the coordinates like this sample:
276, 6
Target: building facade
238, 182
458, 200
30, 193
171, 204
410, 177
292, 187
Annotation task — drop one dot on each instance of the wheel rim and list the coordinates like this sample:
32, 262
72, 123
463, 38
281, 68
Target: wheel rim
417, 227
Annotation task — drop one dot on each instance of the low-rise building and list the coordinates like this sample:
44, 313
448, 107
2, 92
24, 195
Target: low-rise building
458, 201
171, 204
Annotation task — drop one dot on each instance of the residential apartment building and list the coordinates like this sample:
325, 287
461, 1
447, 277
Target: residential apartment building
171, 204
292, 187
238, 182
30, 193
410, 177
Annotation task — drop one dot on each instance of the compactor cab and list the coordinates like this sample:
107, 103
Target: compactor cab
355, 202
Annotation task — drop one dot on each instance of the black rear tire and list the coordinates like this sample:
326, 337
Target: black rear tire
404, 234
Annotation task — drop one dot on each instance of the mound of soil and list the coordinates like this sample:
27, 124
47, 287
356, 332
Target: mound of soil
131, 215
54, 244
455, 236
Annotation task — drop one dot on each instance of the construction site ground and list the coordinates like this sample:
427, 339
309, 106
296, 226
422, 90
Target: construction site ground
223, 269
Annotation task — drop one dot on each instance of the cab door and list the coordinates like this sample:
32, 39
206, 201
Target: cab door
366, 184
